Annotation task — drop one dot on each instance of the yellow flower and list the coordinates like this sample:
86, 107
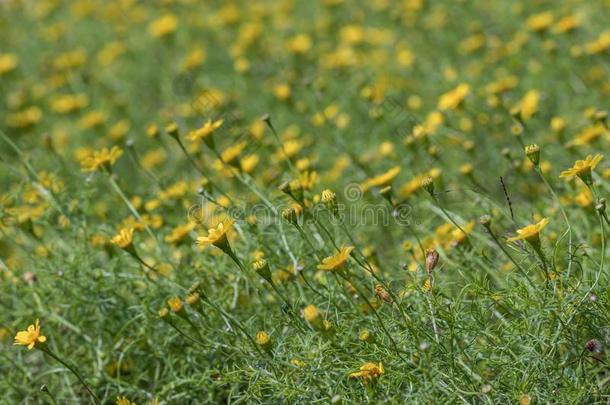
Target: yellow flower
336, 261
528, 105
368, 372
582, 168
124, 401
530, 232
299, 44
540, 22
30, 336
8, 62
453, 98
179, 233
216, 236
381, 180
98, 159
124, 239
231, 154
175, 304
263, 340
315, 318
163, 26
205, 131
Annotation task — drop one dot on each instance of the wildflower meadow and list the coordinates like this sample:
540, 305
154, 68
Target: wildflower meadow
304, 202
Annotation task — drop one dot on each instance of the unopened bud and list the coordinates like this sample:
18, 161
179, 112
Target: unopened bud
533, 153
383, 294
428, 185
263, 340
173, 130
601, 206
431, 260
262, 269
485, 220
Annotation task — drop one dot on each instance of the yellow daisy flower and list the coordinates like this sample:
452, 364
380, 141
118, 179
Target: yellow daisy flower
100, 159
381, 180
124, 239
531, 232
216, 236
369, 372
30, 337
582, 168
205, 132
336, 261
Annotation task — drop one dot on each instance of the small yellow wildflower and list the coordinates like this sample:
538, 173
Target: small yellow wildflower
8, 62
217, 236
124, 239
163, 26
30, 337
263, 340
369, 372
175, 304
337, 261
453, 98
531, 232
382, 180
583, 169
205, 131
100, 159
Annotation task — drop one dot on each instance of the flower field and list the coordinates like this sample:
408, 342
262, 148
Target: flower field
288, 201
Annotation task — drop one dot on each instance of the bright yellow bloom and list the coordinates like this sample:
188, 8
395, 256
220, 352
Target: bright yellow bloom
530, 232
216, 236
528, 105
582, 168
205, 131
299, 44
175, 304
100, 159
336, 261
163, 26
231, 154
453, 98
179, 233
30, 336
124, 239
368, 372
263, 339
8, 62
381, 180
311, 313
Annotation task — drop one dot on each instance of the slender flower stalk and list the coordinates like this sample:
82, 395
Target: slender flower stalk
486, 222
33, 338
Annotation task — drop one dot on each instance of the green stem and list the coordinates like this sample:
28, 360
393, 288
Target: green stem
73, 370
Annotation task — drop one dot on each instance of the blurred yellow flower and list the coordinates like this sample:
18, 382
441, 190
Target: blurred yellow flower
8, 62
124, 239
369, 372
381, 180
103, 158
454, 98
163, 26
528, 105
205, 131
